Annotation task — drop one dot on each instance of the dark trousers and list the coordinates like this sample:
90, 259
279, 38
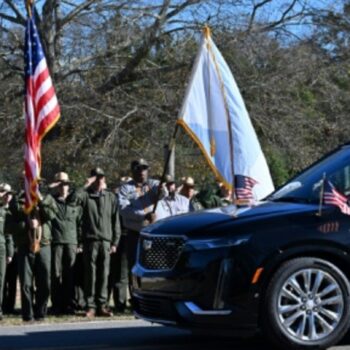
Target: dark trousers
96, 268
79, 300
118, 276
132, 239
62, 291
34, 276
10, 286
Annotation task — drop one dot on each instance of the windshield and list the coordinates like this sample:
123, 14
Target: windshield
306, 186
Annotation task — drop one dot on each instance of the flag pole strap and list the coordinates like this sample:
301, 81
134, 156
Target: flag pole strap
166, 165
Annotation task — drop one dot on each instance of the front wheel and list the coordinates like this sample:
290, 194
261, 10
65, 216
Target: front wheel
307, 305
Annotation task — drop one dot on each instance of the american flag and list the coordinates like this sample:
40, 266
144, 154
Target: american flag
244, 187
333, 197
40, 107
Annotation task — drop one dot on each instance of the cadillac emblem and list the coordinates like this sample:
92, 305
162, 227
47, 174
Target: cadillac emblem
147, 244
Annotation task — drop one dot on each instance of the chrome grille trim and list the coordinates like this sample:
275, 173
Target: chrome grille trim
159, 252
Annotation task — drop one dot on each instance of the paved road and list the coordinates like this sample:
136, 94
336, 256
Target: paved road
117, 335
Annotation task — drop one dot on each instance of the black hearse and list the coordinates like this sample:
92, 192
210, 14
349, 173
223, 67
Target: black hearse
282, 266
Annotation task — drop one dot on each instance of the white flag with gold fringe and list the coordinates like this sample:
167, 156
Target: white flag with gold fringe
214, 115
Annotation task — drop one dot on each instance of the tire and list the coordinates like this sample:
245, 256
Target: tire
294, 319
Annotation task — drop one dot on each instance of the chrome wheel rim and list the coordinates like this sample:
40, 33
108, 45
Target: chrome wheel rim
310, 304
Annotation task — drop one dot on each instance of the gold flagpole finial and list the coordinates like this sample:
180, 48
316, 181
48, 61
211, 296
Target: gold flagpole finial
206, 31
29, 7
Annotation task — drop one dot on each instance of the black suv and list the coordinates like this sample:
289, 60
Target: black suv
282, 266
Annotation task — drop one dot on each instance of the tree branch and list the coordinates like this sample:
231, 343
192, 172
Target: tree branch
255, 10
83, 6
150, 38
11, 19
15, 9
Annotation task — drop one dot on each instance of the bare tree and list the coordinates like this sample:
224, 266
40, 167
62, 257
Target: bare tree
120, 69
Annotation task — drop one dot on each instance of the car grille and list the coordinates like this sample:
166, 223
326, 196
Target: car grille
160, 252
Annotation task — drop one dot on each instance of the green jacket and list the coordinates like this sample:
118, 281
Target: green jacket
100, 216
66, 221
5, 237
19, 226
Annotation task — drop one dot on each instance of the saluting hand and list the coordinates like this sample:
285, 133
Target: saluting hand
89, 181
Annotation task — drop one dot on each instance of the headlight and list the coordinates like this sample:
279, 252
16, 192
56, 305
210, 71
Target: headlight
218, 242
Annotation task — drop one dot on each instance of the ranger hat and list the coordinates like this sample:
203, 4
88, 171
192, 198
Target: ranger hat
188, 181
139, 164
97, 172
5, 188
60, 178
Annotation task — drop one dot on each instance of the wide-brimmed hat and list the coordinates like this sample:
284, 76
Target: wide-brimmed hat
60, 178
139, 163
5, 188
188, 181
97, 172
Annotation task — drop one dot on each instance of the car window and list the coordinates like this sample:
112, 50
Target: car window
306, 186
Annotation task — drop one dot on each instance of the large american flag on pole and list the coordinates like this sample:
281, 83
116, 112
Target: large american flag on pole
40, 107
333, 197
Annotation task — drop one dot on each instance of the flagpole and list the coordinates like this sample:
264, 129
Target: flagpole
321, 195
166, 165
29, 7
207, 36
206, 32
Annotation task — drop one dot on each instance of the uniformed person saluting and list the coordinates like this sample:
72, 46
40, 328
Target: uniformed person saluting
100, 236
65, 231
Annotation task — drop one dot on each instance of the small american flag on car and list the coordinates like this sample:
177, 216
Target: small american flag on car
244, 187
333, 197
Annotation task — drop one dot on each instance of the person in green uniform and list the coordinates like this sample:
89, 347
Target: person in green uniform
6, 245
64, 247
32, 236
100, 236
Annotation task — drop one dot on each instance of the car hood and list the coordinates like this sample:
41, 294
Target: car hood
204, 222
